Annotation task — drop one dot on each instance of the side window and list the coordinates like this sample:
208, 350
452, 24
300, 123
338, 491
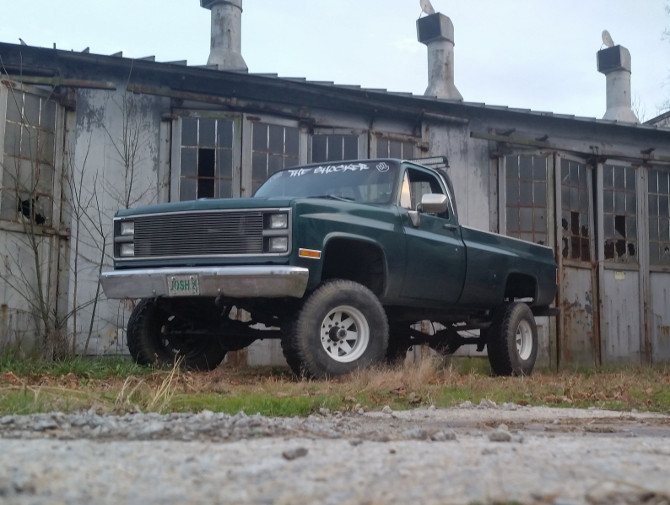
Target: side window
28, 167
405, 193
419, 183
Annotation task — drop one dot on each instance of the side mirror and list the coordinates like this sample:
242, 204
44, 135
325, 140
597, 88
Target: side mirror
433, 203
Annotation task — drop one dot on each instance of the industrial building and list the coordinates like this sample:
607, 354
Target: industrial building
82, 135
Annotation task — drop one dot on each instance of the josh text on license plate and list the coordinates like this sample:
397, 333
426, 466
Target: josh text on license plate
183, 285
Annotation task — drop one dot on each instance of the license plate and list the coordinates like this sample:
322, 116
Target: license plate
183, 285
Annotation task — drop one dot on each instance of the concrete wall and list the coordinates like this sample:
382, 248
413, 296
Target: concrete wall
114, 163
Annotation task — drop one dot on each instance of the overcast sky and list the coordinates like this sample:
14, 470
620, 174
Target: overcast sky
531, 54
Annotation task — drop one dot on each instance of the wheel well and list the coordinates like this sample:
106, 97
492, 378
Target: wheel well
520, 286
357, 261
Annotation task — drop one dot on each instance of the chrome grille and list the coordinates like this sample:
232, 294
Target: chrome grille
199, 234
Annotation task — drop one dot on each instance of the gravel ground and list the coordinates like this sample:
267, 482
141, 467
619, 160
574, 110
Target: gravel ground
467, 454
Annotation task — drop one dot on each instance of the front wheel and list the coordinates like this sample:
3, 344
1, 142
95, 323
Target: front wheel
512, 340
158, 337
340, 328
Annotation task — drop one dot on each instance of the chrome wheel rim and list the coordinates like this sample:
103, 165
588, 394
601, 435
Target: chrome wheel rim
345, 334
524, 340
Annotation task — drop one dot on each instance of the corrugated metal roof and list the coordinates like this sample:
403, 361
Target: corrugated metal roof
419, 102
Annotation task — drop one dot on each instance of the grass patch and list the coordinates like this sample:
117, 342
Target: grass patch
116, 385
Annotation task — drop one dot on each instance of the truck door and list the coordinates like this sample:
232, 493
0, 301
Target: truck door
435, 268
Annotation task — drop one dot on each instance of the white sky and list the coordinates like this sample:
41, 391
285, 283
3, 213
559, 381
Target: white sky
531, 54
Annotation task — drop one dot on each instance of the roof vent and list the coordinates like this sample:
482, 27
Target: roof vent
615, 63
437, 32
226, 43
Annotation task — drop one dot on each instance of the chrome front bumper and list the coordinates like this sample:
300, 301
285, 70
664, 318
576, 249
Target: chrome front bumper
234, 282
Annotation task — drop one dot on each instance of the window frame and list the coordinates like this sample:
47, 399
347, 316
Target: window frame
362, 139
587, 192
248, 122
614, 263
55, 190
176, 150
657, 218
504, 201
376, 136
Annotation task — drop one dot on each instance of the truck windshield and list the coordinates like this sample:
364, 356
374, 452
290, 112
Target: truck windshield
364, 182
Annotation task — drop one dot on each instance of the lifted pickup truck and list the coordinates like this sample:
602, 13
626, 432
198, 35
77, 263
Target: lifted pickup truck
339, 261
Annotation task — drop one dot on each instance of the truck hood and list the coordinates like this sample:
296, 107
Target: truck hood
206, 204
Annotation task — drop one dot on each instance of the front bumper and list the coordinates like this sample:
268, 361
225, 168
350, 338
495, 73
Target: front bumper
235, 282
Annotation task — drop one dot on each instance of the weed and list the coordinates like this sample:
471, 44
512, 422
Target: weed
117, 385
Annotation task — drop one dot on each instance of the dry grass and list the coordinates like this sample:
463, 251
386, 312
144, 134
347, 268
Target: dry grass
274, 391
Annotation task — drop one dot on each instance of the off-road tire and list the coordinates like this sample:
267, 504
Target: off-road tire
150, 342
512, 340
340, 328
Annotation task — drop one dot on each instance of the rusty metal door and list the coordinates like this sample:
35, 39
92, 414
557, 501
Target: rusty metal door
621, 324
578, 340
658, 303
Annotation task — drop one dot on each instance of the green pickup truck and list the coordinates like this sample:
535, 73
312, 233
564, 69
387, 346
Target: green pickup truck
340, 261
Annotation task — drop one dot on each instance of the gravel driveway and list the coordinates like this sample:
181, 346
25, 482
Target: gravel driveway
467, 454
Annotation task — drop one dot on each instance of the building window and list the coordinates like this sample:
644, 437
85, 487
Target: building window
659, 217
274, 147
620, 213
575, 211
526, 197
28, 158
332, 147
206, 158
394, 148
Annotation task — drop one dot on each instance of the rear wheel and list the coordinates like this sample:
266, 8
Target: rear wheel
158, 337
341, 327
512, 340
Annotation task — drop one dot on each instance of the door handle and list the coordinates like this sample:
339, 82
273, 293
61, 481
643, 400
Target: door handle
451, 227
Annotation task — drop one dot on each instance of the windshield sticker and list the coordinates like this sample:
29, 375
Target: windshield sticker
382, 167
329, 169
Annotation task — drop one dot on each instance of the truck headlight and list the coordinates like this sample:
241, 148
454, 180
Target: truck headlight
127, 249
127, 228
277, 221
278, 244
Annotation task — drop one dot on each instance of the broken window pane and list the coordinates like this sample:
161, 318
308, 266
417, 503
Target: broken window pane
29, 154
575, 208
621, 241
206, 158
